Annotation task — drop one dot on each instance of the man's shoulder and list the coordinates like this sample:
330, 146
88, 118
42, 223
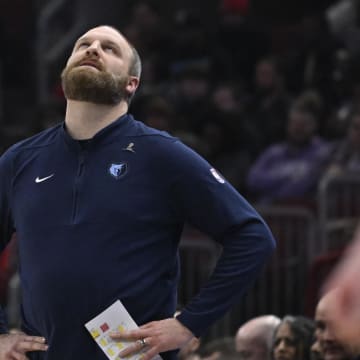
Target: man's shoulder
151, 134
39, 140
162, 145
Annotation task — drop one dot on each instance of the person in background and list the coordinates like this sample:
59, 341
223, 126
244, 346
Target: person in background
289, 171
332, 347
253, 340
219, 349
346, 158
293, 338
267, 106
344, 306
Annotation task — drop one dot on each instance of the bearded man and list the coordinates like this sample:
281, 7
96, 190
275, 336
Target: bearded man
98, 204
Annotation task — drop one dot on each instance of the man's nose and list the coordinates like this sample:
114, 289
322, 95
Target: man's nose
93, 49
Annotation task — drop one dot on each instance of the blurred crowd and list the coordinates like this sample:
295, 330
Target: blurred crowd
267, 337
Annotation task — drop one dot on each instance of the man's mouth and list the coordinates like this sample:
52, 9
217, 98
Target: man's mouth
91, 64
332, 349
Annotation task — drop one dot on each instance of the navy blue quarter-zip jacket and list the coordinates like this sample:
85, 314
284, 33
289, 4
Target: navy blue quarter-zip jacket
102, 222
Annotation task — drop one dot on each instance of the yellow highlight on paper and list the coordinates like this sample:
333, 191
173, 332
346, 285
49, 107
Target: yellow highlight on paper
110, 352
121, 328
120, 345
103, 342
95, 333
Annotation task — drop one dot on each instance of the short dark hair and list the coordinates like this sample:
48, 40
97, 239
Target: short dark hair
135, 66
135, 61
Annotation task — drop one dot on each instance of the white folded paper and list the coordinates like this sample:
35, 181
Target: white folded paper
114, 318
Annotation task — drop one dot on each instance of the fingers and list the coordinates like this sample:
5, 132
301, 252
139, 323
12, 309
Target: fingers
148, 355
136, 347
148, 350
154, 338
15, 346
18, 356
34, 344
141, 342
36, 339
129, 335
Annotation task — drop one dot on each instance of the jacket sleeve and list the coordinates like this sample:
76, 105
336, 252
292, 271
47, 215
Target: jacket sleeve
6, 222
211, 204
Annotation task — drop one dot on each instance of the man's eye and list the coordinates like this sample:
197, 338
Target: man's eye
109, 48
83, 45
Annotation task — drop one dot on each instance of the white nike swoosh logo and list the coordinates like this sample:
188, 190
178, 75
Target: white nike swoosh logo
39, 180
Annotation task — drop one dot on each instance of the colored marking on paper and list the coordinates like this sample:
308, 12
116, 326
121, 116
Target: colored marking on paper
121, 328
95, 333
104, 327
103, 342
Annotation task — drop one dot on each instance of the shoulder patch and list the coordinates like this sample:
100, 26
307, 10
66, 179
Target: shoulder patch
217, 176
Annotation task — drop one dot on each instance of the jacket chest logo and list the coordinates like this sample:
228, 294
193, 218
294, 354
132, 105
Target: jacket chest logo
118, 170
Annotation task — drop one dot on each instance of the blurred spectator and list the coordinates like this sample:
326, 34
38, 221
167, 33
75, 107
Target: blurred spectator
189, 351
343, 297
289, 171
227, 110
347, 102
226, 134
331, 347
240, 41
155, 111
253, 340
343, 19
346, 158
192, 44
268, 105
293, 338
310, 63
147, 28
219, 349
190, 97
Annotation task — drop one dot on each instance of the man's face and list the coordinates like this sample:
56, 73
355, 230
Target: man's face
97, 70
330, 346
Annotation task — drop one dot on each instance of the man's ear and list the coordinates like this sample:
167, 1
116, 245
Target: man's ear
132, 85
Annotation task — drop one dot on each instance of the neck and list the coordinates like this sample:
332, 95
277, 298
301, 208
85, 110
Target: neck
83, 119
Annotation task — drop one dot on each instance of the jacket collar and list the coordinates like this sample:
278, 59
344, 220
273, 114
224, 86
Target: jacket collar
113, 131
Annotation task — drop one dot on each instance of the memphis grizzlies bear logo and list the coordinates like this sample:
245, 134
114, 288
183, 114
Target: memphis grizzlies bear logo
118, 170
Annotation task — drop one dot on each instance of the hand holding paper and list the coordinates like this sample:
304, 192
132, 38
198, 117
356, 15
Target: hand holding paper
154, 337
114, 319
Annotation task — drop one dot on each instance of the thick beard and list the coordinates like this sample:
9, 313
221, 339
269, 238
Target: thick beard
98, 87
